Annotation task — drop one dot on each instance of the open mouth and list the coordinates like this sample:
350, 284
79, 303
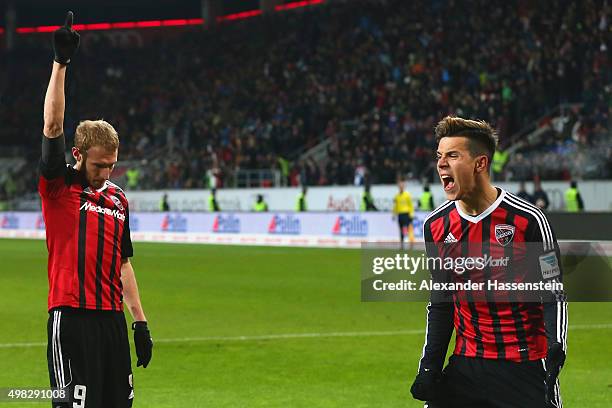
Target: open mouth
448, 182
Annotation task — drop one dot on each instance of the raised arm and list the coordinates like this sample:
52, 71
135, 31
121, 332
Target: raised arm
65, 43
53, 161
55, 102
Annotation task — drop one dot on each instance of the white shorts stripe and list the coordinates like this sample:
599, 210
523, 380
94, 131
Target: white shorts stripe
58, 362
59, 349
54, 350
558, 395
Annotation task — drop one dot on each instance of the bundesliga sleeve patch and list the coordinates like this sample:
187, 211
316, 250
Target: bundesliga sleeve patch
549, 265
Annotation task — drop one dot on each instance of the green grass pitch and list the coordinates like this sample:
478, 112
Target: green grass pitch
200, 299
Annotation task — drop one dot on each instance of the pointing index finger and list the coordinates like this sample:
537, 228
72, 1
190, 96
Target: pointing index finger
69, 19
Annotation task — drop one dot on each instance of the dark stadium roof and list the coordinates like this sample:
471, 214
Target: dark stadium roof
31, 13
44, 12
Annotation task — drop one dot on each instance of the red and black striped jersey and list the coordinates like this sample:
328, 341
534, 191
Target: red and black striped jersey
88, 234
508, 328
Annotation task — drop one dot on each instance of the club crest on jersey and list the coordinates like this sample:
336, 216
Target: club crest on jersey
504, 233
117, 203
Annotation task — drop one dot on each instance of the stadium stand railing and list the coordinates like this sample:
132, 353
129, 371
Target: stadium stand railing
256, 178
543, 147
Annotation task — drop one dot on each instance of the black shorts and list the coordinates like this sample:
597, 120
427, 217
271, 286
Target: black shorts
88, 354
470, 382
404, 220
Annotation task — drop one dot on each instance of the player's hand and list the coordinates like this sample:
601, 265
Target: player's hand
554, 362
425, 385
65, 41
143, 343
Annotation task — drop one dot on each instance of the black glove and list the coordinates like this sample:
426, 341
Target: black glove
143, 343
426, 384
65, 41
554, 362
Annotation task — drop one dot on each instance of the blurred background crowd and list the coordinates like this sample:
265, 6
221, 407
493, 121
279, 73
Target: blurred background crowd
361, 87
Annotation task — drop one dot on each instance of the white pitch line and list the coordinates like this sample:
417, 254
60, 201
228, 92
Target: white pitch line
292, 336
602, 326
21, 345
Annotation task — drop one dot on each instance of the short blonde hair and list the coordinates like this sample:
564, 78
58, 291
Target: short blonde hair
91, 133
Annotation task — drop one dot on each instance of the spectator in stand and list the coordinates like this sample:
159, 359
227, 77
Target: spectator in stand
540, 198
573, 199
4, 205
213, 205
164, 206
260, 204
426, 202
301, 204
522, 193
367, 201
133, 178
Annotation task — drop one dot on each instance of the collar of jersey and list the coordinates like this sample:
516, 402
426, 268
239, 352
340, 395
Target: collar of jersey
477, 218
101, 189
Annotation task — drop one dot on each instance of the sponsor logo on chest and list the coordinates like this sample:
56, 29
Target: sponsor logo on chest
88, 206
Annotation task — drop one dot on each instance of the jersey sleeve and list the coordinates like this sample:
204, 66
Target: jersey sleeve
548, 266
52, 167
439, 327
127, 250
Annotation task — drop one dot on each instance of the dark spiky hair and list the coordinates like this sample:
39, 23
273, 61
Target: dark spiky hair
483, 138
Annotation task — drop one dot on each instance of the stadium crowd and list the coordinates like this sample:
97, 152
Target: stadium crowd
372, 77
